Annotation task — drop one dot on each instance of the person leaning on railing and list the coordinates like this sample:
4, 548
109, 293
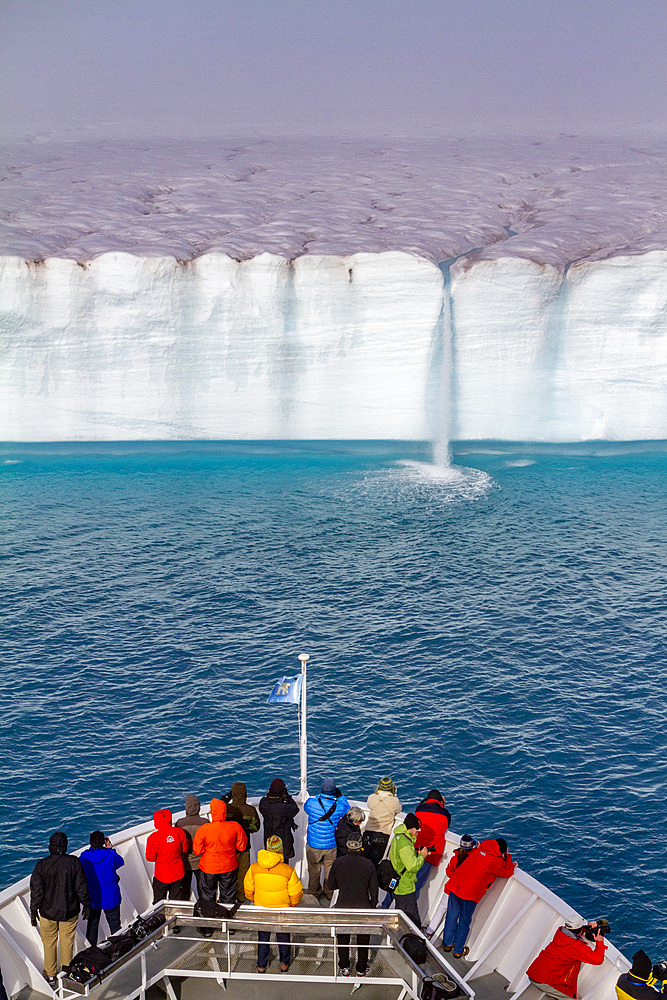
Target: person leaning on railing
556, 969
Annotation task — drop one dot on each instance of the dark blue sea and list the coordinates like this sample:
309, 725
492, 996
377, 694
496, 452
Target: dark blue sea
496, 631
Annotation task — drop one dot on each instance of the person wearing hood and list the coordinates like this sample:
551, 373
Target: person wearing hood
217, 844
57, 891
272, 883
166, 847
643, 980
278, 810
100, 864
323, 813
407, 860
556, 969
246, 815
348, 824
384, 807
435, 820
191, 823
487, 862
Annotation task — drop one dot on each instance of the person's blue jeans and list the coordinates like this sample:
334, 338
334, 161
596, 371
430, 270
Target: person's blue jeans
387, 901
457, 922
422, 877
284, 950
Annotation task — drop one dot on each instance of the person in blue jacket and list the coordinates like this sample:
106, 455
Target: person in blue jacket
101, 864
323, 813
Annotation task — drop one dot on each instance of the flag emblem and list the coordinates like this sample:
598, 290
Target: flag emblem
286, 691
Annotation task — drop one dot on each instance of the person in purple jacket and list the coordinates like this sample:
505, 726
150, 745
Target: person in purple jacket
100, 865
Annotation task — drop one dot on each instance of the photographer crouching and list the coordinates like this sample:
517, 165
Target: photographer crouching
643, 980
556, 969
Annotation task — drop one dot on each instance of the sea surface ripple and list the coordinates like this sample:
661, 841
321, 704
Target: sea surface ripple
496, 630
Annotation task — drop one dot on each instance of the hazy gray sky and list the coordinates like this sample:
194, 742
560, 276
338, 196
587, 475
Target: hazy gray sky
313, 64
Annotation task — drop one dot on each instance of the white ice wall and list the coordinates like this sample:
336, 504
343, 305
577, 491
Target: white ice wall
131, 347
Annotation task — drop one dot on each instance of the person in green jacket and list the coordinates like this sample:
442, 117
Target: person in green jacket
407, 861
238, 808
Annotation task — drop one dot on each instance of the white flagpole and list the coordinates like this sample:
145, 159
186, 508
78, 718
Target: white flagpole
303, 739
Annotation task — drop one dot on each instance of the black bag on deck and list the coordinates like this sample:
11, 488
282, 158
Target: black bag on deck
119, 945
415, 947
208, 908
88, 964
143, 926
440, 987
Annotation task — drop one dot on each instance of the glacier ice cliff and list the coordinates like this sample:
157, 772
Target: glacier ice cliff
511, 290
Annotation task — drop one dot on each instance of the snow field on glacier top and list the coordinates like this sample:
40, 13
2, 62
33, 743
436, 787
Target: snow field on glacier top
563, 197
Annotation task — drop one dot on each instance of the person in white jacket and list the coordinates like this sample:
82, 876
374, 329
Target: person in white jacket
383, 807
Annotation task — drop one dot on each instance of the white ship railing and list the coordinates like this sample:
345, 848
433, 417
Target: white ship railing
231, 953
516, 918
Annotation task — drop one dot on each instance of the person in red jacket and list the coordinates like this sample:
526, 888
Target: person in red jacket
217, 842
466, 887
556, 968
166, 848
435, 820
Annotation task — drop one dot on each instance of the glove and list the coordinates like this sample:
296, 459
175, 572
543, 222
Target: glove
34, 920
86, 913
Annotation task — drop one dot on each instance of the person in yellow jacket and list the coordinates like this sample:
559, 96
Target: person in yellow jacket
270, 882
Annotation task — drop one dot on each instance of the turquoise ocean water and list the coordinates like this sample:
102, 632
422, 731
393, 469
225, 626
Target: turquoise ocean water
496, 631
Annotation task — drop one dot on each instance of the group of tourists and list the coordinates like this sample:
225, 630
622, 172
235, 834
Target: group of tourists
340, 858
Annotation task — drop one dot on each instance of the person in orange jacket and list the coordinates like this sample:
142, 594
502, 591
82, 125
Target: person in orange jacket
270, 882
556, 969
468, 883
217, 844
166, 848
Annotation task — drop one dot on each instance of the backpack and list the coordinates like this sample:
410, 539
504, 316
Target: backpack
440, 987
88, 964
415, 946
119, 945
388, 877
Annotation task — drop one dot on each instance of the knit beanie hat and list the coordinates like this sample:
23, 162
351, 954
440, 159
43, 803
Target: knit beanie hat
354, 842
411, 822
328, 786
277, 787
436, 794
274, 844
97, 839
386, 785
467, 842
641, 965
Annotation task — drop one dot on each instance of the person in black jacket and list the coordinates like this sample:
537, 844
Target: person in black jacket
278, 809
57, 891
356, 879
347, 825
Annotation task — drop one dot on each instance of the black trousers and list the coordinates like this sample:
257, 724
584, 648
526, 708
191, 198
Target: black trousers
187, 882
408, 903
375, 844
363, 940
93, 926
169, 890
223, 883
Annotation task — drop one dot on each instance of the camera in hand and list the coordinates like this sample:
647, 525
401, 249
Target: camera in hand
660, 970
603, 928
